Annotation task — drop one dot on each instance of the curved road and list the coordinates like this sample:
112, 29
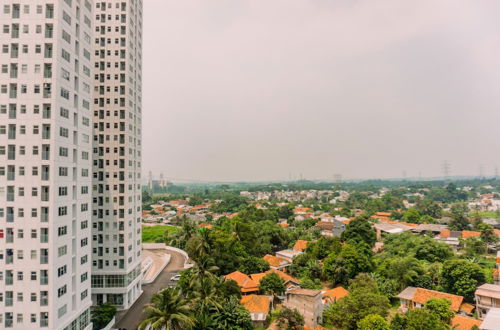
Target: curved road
131, 318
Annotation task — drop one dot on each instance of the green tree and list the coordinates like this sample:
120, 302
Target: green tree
441, 308
404, 270
429, 207
323, 247
272, 284
373, 322
360, 230
412, 216
168, 310
418, 319
364, 299
459, 219
346, 265
102, 314
232, 316
462, 277
146, 196
252, 265
487, 233
474, 246
289, 319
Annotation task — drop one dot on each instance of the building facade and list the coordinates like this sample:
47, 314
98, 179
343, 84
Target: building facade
45, 163
116, 191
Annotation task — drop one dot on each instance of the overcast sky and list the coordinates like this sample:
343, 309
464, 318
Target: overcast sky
258, 89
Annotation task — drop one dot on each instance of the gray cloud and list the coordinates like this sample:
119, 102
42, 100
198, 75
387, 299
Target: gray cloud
255, 90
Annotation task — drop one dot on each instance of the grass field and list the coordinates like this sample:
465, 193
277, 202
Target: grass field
489, 214
154, 234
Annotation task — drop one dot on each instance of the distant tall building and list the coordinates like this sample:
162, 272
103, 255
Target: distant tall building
45, 164
116, 221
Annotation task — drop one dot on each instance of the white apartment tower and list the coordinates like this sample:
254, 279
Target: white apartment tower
116, 208
45, 163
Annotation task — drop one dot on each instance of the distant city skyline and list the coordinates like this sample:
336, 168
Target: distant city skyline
253, 90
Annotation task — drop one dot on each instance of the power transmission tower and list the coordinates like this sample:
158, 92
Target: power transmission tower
496, 172
446, 167
337, 178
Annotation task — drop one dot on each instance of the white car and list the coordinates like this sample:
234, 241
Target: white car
175, 278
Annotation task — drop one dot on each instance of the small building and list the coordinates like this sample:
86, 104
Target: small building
276, 262
460, 322
491, 320
300, 245
412, 297
287, 255
308, 303
487, 296
333, 228
258, 307
390, 228
246, 284
290, 281
333, 295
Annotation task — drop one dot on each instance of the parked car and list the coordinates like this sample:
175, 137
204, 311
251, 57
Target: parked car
175, 278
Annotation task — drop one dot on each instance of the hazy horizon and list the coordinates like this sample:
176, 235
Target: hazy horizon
255, 90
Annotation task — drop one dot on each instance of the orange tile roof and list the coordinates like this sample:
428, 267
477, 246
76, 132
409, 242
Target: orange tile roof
301, 210
283, 225
383, 214
468, 233
345, 222
460, 322
498, 260
284, 276
335, 293
275, 261
205, 225
300, 245
497, 232
255, 303
467, 308
423, 295
244, 281
444, 233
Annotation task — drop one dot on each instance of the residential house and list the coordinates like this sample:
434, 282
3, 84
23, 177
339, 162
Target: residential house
487, 296
277, 262
300, 245
461, 322
308, 303
333, 228
258, 307
290, 281
390, 228
288, 254
333, 295
246, 284
412, 297
491, 320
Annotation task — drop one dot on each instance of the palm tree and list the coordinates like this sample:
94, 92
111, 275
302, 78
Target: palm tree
203, 268
204, 295
168, 310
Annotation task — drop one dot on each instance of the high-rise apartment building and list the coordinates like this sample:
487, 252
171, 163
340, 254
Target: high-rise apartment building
45, 163
116, 208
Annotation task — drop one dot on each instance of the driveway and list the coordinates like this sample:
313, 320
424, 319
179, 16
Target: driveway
131, 318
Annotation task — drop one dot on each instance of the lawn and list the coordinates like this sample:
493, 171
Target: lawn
154, 234
488, 214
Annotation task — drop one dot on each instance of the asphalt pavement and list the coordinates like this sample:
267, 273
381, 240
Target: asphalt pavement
131, 318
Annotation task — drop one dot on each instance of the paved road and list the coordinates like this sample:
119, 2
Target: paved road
131, 318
